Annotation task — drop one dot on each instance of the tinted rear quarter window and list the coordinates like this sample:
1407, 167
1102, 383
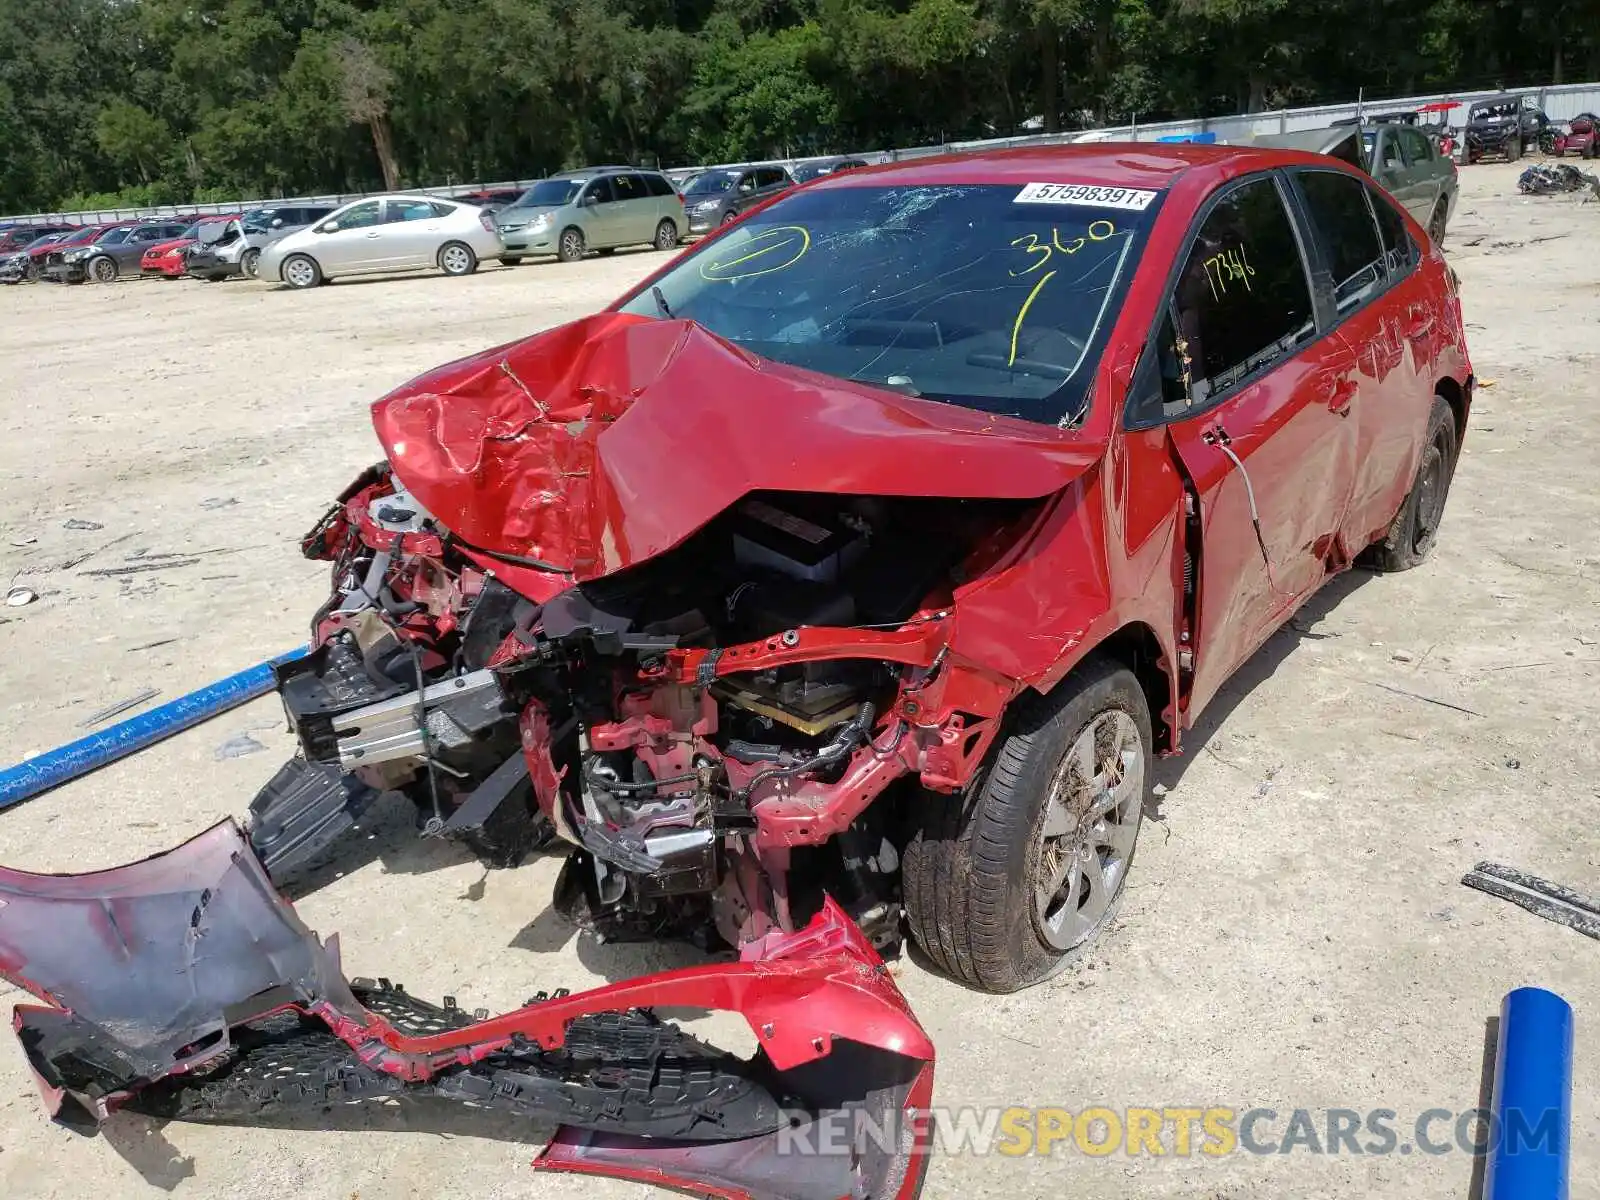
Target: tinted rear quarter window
1243, 300
657, 185
1337, 205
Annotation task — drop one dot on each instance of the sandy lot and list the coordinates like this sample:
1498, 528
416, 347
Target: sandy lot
1295, 935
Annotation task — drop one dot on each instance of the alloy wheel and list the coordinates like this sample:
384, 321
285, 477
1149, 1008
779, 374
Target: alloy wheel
1091, 821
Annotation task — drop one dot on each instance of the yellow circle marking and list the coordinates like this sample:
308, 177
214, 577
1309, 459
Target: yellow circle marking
770, 246
1100, 237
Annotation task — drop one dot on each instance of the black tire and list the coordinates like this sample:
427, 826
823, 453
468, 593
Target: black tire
248, 261
510, 262
103, 269
1436, 223
300, 271
971, 873
1416, 526
570, 247
456, 259
666, 235
729, 217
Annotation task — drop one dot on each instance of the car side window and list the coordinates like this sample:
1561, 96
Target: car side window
768, 177
1391, 150
628, 187
747, 183
396, 211
657, 185
1243, 299
1417, 147
359, 216
1399, 251
600, 189
1348, 234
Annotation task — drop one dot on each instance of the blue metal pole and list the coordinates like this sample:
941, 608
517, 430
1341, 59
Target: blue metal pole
65, 763
1531, 1135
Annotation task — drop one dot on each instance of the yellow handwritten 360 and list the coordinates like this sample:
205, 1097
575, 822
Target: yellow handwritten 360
1032, 244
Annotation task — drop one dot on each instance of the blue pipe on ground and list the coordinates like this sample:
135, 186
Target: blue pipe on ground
65, 763
1531, 1132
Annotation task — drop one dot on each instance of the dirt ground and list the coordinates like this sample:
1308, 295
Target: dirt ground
1295, 933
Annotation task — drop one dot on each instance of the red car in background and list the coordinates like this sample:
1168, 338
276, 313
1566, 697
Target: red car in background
842, 580
1579, 136
167, 258
43, 256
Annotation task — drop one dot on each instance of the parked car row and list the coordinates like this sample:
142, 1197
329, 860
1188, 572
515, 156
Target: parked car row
597, 209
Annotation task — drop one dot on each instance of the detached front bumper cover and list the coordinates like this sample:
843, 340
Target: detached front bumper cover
186, 987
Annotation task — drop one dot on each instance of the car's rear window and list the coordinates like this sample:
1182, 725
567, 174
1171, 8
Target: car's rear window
995, 297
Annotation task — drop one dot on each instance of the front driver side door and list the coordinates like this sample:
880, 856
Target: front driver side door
347, 240
604, 218
1251, 417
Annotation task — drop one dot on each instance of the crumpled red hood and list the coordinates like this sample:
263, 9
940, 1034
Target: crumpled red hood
598, 444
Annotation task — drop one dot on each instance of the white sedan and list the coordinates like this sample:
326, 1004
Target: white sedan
380, 234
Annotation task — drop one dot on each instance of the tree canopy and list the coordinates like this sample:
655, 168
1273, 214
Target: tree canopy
167, 101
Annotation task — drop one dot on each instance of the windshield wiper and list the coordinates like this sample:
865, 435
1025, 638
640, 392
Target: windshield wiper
661, 303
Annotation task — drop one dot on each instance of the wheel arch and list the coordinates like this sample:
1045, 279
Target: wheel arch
1136, 646
1459, 400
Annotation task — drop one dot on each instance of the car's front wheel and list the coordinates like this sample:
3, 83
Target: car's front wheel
570, 247
1416, 526
103, 269
301, 271
1017, 877
457, 258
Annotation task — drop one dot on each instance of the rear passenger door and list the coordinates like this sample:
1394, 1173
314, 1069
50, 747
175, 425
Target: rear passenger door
412, 233
1355, 263
1423, 172
1249, 389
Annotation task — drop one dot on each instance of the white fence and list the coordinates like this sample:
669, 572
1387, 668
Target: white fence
1561, 102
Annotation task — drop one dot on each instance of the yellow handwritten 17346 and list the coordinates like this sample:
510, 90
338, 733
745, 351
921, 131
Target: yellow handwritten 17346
1040, 251
1228, 267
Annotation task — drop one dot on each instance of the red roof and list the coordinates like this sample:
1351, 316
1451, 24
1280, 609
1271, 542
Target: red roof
1114, 164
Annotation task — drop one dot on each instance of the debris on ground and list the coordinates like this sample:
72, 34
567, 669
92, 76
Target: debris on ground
1551, 179
238, 746
121, 706
75, 523
18, 596
1539, 896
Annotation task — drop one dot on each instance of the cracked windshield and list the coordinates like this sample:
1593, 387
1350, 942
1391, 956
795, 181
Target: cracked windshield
992, 297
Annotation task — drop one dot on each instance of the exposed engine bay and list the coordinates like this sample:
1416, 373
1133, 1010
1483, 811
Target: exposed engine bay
709, 729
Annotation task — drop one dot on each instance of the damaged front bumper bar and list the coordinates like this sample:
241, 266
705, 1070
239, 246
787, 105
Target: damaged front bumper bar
186, 987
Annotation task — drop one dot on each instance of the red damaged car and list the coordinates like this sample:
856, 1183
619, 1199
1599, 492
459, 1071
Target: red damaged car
840, 582
168, 258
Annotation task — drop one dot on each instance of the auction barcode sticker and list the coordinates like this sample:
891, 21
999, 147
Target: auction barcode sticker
1135, 199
